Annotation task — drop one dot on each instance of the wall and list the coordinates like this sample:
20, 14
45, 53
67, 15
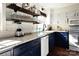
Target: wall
2, 17
47, 21
60, 15
10, 27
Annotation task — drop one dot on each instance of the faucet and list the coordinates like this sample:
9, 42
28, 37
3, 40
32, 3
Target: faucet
44, 26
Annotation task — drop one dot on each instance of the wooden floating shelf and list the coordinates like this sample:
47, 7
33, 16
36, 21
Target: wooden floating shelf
43, 14
17, 8
16, 20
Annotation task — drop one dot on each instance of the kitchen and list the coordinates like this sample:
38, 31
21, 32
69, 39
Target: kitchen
39, 29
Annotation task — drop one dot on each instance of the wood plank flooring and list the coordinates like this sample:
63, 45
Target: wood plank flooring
58, 51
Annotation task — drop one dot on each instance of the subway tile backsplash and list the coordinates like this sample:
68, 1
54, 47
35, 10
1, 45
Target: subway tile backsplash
11, 28
26, 27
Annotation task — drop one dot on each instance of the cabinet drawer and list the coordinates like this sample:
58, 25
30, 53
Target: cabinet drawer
64, 33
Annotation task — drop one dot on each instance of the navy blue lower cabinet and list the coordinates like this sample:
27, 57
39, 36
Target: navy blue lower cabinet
36, 51
51, 41
27, 53
31, 48
62, 40
65, 38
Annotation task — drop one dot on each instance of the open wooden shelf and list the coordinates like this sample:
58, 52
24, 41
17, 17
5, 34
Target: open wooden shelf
17, 8
16, 20
43, 14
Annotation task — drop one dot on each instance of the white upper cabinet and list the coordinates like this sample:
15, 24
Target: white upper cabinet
73, 14
77, 12
61, 18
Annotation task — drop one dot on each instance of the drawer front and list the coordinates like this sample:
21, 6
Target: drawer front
65, 34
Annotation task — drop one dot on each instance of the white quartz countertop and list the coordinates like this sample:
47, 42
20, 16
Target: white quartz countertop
9, 43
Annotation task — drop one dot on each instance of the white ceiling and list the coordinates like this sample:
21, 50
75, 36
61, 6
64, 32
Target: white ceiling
56, 5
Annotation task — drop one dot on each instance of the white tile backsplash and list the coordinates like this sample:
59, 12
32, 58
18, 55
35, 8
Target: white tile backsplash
38, 27
11, 28
5, 34
27, 27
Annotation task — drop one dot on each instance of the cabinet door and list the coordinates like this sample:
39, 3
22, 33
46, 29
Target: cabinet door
51, 41
21, 49
36, 51
71, 14
65, 39
26, 48
61, 39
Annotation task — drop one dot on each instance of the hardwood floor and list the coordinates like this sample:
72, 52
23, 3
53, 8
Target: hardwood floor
58, 51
